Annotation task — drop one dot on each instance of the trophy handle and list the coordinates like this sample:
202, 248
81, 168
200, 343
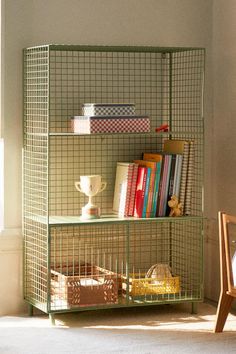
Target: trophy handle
77, 186
103, 186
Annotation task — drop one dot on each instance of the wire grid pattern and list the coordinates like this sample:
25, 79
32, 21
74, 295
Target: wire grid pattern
177, 244
186, 90
78, 77
183, 104
36, 81
103, 246
128, 249
98, 154
149, 244
197, 173
72, 157
167, 86
35, 177
35, 264
35, 131
187, 255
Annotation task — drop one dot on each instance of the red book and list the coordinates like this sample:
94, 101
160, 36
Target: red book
153, 166
129, 187
133, 190
140, 191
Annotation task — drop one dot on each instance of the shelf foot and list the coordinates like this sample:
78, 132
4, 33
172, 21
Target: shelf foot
30, 310
194, 308
52, 319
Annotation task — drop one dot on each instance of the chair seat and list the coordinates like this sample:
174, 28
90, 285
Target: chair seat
228, 290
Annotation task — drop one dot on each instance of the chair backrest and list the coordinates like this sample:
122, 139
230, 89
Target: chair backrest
227, 230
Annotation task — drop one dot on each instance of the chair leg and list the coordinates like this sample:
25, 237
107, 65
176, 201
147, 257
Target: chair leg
223, 308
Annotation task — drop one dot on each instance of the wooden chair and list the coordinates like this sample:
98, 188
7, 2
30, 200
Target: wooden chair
227, 269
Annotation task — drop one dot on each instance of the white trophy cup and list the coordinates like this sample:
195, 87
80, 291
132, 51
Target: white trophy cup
90, 185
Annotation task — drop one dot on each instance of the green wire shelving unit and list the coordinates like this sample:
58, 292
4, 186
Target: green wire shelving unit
59, 248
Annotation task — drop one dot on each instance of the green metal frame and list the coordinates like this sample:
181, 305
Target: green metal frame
168, 83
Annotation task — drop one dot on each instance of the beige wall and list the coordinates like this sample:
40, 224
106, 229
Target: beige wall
111, 22
223, 130
224, 105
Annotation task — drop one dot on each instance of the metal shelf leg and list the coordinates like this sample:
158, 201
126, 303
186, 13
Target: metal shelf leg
52, 319
30, 310
194, 309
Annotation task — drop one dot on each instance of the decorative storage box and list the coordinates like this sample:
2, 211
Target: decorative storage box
141, 286
84, 285
108, 109
111, 124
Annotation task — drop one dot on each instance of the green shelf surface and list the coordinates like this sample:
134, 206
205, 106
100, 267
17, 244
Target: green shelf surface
75, 220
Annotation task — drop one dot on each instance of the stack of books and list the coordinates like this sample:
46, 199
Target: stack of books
144, 187
109, 118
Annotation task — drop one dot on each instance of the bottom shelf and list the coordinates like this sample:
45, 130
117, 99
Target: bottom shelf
107, 265
86, 284
89, 286
122, 303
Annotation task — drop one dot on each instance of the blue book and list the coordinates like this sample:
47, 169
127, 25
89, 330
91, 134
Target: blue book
156, 189
146, 192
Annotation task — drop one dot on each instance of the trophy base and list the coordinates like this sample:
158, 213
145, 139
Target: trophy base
90, 213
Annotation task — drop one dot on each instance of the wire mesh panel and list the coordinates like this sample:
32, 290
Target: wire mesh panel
187, 256
72, 157
161, 265
35, 175
186, 71
36, 264
35, 131
84, 265
122, 264
80, 76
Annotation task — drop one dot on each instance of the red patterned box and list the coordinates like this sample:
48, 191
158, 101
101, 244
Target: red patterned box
111, 124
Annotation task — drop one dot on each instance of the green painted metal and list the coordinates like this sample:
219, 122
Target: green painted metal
100, 48
170, 91
165, 82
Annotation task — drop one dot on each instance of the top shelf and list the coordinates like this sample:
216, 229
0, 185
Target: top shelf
103, 48
153, 134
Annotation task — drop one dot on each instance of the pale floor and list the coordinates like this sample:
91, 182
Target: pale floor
160, 329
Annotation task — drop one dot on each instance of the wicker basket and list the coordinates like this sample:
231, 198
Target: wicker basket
84, 285
141, 286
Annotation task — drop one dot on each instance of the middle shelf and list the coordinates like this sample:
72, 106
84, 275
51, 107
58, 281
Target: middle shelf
71, 156
105, 219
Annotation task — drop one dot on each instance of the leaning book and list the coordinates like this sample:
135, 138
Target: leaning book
123, 187
186, 149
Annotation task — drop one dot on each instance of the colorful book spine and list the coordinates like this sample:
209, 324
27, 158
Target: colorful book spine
133, 190
184, 172
183, 147
190, 176
156, 189
151, 191
128, 191
145, 202
153, 166
176, 188
171, 182
140, 191
163, 167
165, 186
